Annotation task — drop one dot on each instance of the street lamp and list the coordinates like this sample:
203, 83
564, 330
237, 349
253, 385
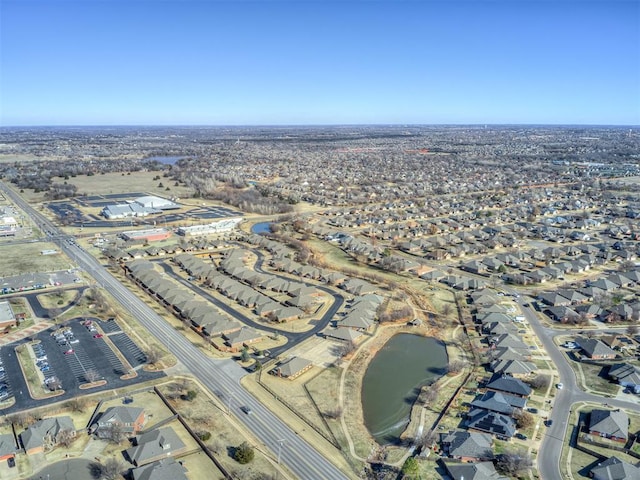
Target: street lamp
280, 443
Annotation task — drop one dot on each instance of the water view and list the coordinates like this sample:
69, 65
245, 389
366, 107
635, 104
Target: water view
393, 379
262, 227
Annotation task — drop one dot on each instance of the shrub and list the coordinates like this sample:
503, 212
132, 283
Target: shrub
244, 453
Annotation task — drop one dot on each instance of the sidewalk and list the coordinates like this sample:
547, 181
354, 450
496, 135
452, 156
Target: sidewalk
27, 332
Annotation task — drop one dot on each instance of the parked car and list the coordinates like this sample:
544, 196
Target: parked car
68, 352
97, 335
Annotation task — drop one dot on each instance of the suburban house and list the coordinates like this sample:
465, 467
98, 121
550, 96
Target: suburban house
46, 434
612, 424
129, 419
499, 402
242, 338
8, 446
467, 446
613, 468
595, 349
293, 367
506, 384
155, 445
472, 471
167, 469
502, 426
626, 375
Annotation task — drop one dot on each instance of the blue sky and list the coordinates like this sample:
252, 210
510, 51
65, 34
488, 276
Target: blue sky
190, 62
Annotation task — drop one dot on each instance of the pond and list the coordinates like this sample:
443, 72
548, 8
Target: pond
165, 160
393, 380
263, 227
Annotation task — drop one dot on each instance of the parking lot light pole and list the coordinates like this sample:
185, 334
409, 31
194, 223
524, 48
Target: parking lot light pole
280, 443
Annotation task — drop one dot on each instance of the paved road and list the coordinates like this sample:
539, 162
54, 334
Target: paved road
554, 437
220, 377
293, 338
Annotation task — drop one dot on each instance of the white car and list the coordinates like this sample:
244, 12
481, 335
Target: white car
559, 386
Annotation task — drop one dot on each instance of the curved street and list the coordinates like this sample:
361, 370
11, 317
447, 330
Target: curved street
292, 337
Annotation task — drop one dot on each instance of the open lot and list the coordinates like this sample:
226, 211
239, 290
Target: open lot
27, 258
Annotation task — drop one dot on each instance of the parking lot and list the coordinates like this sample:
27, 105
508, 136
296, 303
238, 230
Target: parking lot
73, 355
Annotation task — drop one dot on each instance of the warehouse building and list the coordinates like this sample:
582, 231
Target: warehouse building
220, 226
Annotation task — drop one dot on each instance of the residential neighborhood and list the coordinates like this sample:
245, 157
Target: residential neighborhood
256, 315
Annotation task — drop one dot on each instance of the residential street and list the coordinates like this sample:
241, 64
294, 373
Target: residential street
551, 449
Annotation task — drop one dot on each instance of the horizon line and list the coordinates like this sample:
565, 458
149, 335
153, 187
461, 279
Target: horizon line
302, 125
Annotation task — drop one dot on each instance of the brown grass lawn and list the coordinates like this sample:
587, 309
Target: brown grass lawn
206, 414
59, 299
125, 183
26, 258
580, 460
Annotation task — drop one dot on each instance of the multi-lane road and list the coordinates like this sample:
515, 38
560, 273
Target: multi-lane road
222, 378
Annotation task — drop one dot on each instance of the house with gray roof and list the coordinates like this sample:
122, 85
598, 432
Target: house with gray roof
467, 446
502, 426
293, 367
515, 368
8, 446
626, 375
167, 469
46, 433
595, 348
129, 419
507, 384
615, 469
499, 402
612, 424
243, 337
155, 445
472, 471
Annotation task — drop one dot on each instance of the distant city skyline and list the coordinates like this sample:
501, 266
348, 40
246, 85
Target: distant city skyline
192, 62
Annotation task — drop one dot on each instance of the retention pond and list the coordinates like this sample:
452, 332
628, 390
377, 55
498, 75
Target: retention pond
393, 380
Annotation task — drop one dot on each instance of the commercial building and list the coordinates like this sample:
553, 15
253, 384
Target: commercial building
220, 226
140, 207
149, 235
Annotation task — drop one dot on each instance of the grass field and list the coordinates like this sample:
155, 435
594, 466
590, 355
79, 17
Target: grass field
26, 258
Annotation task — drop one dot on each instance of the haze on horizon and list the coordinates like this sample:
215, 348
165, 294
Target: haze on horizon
275, 62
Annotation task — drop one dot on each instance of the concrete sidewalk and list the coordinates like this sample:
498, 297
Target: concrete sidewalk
27, 332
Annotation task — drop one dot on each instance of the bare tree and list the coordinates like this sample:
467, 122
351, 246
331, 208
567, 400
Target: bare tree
65, 438
153, 355
513, 463
114, 433
92, 375
632, 330
111, 469
77, 404
456, 366
524, 419
540, 382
